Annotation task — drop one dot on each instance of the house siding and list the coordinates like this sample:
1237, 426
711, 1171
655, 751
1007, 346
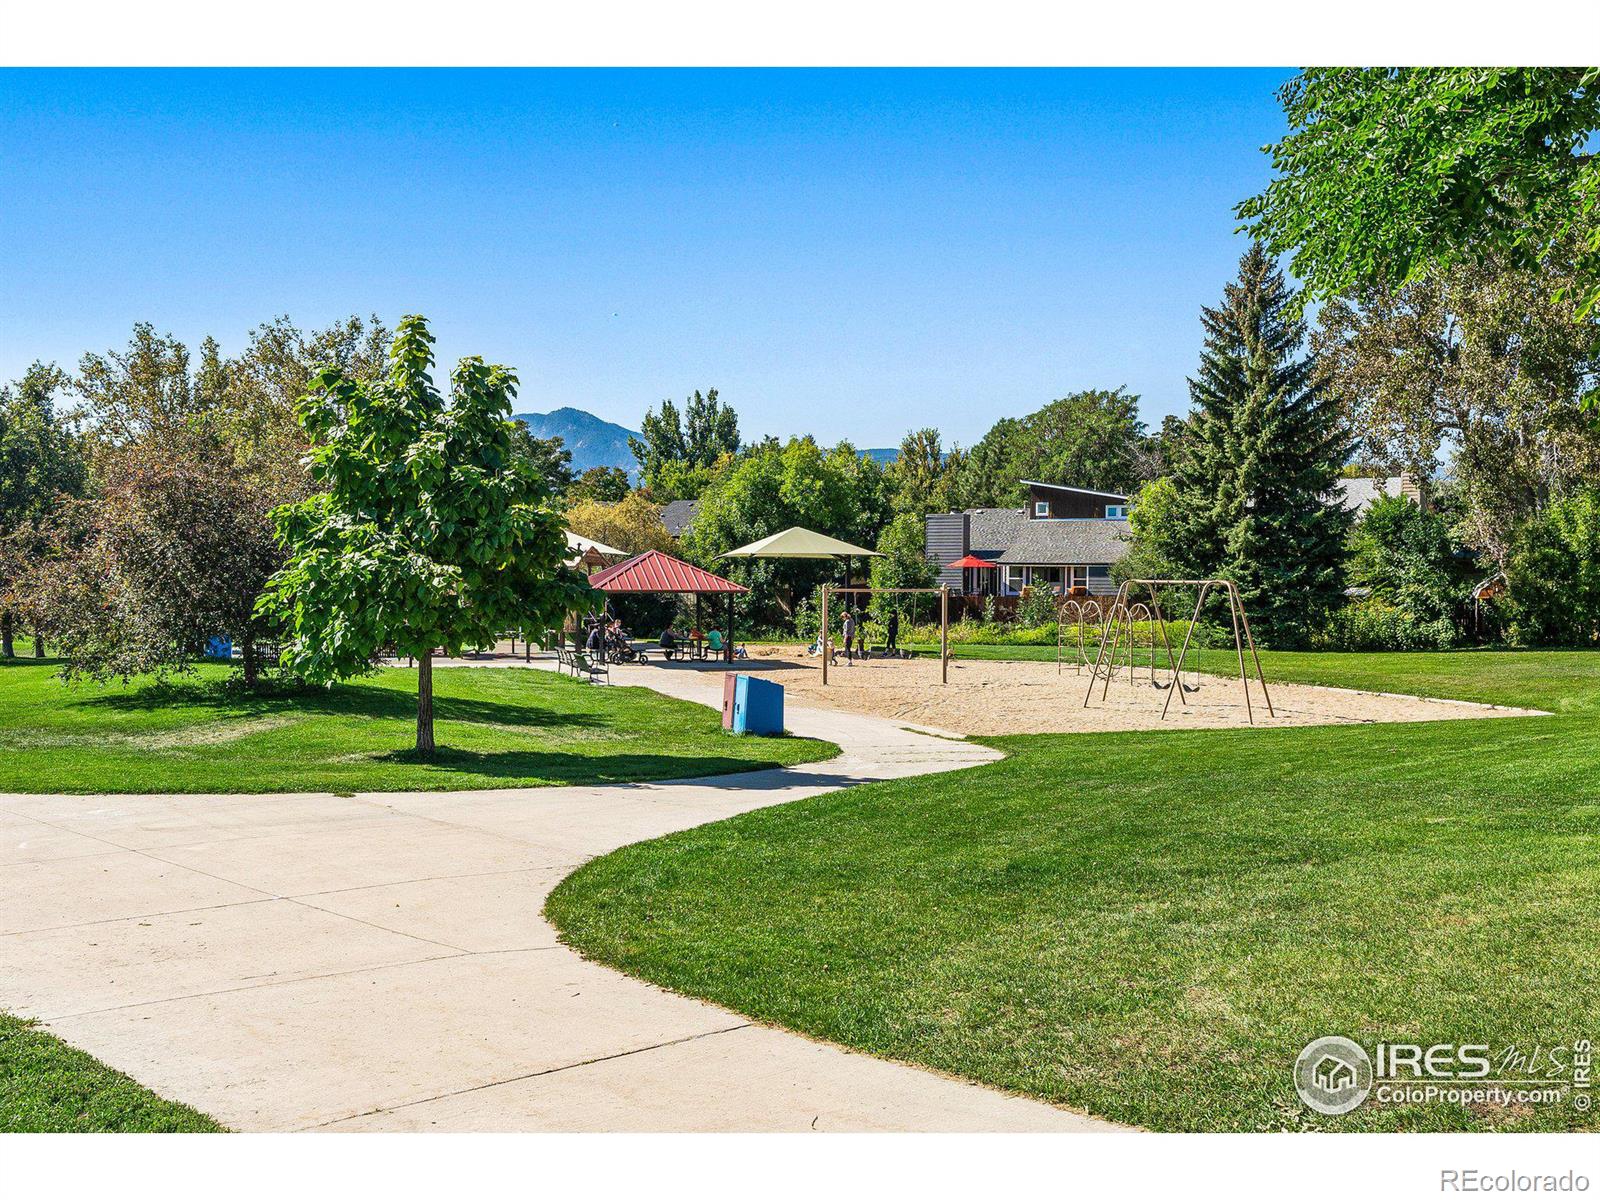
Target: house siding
945, 539
1065, 504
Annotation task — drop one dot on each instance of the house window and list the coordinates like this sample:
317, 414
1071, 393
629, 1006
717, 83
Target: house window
1016, 579
1116, 510
1041, 508
1039, 576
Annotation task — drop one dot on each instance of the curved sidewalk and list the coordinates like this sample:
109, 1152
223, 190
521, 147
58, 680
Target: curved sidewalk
379, 961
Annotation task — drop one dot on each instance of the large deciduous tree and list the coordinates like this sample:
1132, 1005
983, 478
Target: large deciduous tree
925, 478
773, 486
1091, 439
431, 531
173, 551
677, 453
1258, 465
1477, 361
41, 466
632, 523
1388, 173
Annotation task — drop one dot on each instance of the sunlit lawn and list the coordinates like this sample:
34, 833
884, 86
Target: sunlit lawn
1150, 926
495, 727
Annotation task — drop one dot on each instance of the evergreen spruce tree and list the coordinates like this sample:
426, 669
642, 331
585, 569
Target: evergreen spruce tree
1256, 474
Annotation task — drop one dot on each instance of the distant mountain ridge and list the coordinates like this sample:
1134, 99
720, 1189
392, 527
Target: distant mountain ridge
594, 442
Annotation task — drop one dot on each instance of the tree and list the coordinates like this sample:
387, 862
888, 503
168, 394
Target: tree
904, 562
1159, 525
604, 484
632, 524
1474, 359
925, 477
1404, 557
1388, 173
1258, 467
1091, 439
41, 465
673, 451
773, 486
262, 385
548, 458
432, 532
1553, 574
172, 553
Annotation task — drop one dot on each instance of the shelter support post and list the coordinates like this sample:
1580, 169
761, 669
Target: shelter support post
944, 634
822, 638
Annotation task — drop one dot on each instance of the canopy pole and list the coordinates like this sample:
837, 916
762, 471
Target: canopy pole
944, 634
823, 636
727, 648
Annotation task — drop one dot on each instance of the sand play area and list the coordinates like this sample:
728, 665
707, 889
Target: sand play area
1031, 697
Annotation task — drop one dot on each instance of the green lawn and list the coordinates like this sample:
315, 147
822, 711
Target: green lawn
495, 727
48, 1087
1150, 926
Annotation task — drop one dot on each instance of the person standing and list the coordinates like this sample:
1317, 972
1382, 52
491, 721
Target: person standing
892, 635
849, 631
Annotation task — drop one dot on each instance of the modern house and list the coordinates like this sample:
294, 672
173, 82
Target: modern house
1065, 537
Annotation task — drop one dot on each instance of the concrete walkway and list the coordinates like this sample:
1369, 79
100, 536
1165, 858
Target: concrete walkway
379, 962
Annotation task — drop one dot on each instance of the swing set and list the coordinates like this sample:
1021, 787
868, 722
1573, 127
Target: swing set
1121, 620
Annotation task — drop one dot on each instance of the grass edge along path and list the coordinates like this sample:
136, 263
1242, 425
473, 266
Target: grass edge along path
47, 1086
497, 728
1149, 926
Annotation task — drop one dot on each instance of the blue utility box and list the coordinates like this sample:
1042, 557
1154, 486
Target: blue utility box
757, 706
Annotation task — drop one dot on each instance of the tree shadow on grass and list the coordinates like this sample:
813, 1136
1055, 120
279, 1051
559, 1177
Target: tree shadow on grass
343, 700
546, 767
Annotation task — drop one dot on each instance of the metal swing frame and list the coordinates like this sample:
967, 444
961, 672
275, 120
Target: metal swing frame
1105, 666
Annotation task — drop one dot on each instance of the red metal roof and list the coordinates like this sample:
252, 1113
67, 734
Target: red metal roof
654, 571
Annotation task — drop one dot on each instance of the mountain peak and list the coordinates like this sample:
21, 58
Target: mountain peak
594, 441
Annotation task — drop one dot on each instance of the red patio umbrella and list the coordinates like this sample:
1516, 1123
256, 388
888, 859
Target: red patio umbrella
970, 563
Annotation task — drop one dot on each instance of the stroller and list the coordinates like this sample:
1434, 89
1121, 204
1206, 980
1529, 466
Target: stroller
620, 647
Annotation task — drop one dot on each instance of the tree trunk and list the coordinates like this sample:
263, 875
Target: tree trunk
247, 651
6, 647
38, 643
425, 704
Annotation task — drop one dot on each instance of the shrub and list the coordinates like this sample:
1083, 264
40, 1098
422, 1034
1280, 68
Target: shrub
1377, 625
1037, 606
1553, 575
1405, 557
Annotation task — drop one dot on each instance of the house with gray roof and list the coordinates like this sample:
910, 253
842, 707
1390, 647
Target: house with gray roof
1064, 537
678, 515
1358, 494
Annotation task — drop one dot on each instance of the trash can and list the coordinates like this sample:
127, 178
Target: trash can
757, 705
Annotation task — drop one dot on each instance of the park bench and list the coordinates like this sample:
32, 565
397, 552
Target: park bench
595, 671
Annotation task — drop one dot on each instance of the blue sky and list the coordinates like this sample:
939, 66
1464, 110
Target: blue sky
847, 253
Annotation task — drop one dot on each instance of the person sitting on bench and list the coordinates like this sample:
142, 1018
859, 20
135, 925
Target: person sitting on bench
669, 642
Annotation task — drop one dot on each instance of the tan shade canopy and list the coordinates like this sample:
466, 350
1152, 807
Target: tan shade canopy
581, 546
796, 542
